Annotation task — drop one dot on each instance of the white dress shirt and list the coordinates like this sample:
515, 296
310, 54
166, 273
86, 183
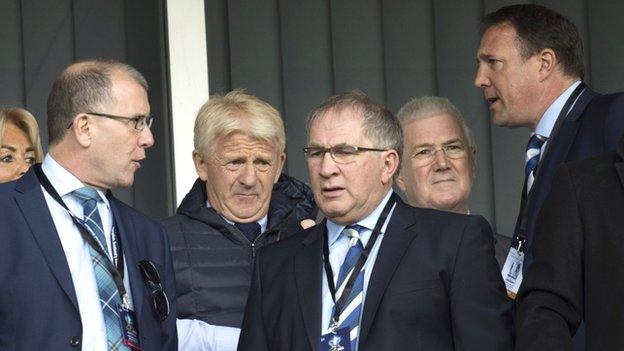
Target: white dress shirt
338, 247
196, 335
77, 251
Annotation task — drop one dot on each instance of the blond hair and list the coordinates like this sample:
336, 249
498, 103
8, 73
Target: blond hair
25, 121
237, 112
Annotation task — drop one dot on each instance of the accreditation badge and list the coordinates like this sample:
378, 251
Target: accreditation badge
129, 327
339, 340
512, 272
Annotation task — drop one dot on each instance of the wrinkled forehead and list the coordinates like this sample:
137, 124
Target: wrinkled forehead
340, 122
242, 143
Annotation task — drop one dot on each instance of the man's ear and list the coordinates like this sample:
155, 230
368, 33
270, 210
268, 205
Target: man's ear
548, 62
82, 129
391, 164
200, 165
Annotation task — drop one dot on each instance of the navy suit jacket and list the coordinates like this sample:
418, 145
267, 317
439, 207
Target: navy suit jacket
579, 260
594, 125
435, 285
38, 306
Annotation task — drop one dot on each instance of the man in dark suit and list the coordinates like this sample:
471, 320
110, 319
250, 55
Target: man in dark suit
530, 67
377, 274
80, 269
578, 260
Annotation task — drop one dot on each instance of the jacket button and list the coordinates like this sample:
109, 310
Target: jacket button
75, 341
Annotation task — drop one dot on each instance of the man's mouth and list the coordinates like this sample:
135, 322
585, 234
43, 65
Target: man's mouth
492, 100
331, 190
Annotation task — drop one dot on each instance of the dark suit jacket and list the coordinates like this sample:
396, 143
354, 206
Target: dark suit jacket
435, 285
578, 266
38, 306
593, 126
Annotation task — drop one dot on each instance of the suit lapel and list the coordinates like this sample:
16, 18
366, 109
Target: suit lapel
558, 148
125, 231
393, 247
308, 261
37, 216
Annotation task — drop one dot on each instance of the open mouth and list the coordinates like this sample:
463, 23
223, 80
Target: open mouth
492, 100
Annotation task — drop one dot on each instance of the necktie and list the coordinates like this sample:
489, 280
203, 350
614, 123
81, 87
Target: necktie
109, 295
533, 151
350, 314
250, 230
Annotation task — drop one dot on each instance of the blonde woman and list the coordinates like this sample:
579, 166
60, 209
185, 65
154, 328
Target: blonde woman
20, 146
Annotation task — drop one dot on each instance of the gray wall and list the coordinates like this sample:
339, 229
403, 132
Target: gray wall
296, 53
38, 38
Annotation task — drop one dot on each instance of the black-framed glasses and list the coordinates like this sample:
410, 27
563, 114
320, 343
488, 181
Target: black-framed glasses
342, 153
140, 122
158, 297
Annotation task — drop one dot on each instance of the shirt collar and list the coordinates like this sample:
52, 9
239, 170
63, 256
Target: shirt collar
262, 221
368, 222
63, 181
549, 118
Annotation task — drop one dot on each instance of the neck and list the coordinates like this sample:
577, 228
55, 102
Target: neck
73, 161
551, 91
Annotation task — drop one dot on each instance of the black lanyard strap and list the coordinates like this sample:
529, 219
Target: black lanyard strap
116, 272
340, 304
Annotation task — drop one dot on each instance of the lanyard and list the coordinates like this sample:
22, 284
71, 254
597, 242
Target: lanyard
521, 237
116, 272
340, 304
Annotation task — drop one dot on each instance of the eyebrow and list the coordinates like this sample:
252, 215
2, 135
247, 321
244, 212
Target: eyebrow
448, 142
13, 149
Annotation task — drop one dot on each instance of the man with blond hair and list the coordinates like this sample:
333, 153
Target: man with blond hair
239, 203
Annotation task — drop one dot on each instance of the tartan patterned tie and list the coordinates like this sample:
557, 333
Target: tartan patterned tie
350, 315
109, 295
533, 151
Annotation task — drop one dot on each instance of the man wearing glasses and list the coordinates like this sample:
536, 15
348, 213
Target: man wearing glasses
440, 159
82, 269
376, 274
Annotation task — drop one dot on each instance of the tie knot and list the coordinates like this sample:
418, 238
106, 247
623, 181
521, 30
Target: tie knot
536, 141
250, 230
353, 233
86, 193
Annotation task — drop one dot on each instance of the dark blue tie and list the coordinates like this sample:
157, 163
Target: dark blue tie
533, 151
250, 230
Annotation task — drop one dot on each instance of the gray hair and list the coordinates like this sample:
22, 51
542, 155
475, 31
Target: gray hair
428, 106
378, 123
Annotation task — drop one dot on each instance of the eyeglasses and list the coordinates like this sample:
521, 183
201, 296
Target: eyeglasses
425, 155
339, 153
140, 122
159, 299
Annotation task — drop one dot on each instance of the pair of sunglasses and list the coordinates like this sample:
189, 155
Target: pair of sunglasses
158, 297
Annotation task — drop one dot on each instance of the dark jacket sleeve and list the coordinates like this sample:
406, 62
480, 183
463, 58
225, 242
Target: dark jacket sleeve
480, 309
170, 333
253, 337
550, 301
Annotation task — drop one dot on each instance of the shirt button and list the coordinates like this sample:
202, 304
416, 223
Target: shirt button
75, 341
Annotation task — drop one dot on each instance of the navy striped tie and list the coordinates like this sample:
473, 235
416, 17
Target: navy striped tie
350, 314
107, 290
533, 151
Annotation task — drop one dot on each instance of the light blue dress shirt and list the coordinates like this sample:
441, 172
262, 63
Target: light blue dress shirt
549, 118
